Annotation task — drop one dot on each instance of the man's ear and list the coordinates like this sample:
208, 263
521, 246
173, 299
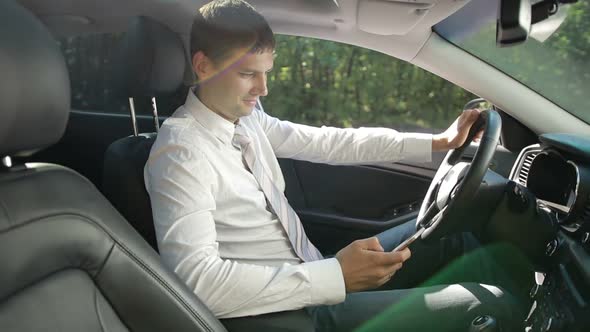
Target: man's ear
202, 66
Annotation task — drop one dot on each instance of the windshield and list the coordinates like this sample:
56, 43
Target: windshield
558, 68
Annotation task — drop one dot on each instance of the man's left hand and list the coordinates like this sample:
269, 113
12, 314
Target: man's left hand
456, 135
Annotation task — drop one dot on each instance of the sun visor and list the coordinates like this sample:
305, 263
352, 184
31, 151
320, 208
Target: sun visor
391, 17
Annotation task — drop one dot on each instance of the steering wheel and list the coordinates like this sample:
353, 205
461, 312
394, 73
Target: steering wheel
455, 182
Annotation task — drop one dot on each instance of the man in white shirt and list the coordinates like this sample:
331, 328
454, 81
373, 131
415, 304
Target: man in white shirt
215, 224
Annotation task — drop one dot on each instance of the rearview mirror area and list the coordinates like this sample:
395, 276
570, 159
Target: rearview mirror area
513, 23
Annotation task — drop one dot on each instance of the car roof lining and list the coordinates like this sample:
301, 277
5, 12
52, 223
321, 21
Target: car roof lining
322, 19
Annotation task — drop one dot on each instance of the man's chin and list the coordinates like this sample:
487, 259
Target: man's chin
247, 110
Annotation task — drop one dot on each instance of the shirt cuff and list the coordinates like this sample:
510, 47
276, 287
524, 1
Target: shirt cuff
327, 282
417, 147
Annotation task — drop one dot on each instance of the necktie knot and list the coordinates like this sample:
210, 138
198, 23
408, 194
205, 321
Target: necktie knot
240, 139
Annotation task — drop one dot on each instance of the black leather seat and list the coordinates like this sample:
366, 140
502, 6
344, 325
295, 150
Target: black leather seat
151, 62
123, 182
68, 260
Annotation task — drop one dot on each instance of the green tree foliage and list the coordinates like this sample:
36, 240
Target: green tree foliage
320, 82
558, 68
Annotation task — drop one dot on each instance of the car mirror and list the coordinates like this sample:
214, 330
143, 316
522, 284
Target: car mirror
547, 16
513, 22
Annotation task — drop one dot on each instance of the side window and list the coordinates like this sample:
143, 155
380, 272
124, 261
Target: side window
88, 59
318, 82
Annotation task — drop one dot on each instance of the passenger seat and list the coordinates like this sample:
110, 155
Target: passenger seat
68, 260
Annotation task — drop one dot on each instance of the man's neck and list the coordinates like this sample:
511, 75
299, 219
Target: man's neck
198, 93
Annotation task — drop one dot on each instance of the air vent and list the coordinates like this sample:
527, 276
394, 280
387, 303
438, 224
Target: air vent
586, 213
520, 169
523, 173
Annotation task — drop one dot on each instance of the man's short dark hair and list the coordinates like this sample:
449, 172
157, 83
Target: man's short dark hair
222, 26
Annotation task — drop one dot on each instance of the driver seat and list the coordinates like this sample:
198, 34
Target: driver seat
123, 181
69, 261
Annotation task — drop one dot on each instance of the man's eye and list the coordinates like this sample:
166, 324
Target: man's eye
246, 74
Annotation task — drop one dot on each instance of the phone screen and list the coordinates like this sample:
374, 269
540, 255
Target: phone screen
409, 240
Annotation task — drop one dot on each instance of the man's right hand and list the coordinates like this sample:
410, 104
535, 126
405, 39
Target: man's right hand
365, 265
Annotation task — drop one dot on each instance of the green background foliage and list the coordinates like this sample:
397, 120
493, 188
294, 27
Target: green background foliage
558, 68
320, 82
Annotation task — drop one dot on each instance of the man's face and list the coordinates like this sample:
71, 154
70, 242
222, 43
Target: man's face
236, 83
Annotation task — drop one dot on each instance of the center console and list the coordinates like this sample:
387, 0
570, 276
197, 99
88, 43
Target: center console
560, 295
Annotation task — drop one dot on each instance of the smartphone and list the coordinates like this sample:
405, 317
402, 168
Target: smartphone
409, 240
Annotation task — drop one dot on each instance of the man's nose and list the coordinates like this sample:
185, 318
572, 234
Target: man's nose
260, 87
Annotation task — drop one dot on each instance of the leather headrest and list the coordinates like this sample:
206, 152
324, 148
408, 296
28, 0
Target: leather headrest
34, 84
151, 60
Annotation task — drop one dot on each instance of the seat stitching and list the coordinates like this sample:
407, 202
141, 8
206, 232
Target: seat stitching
5, 210
42, 169
58, 168
146, 268
104, 262
96, 307
129, 253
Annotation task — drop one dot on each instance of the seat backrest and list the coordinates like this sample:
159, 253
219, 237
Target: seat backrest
150, 62
68, 260
123, 182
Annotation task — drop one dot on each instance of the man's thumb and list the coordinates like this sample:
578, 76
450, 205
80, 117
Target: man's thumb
373, 244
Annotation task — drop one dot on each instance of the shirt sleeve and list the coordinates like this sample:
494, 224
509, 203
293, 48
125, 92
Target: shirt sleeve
343, 145
182, 186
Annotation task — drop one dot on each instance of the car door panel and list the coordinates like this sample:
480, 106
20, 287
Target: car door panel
338, 204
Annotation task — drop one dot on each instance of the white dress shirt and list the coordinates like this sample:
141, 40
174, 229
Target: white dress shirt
213, 225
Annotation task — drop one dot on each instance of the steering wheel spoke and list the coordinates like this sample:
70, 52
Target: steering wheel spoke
431, 212
456, 182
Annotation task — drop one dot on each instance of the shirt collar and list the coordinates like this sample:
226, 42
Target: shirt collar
220, 127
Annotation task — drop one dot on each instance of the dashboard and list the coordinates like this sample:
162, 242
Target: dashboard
557, 174
559, 177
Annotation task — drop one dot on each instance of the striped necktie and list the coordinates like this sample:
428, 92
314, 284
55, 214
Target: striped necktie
277, 200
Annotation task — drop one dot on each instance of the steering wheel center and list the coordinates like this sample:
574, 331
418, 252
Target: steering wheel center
449, 184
